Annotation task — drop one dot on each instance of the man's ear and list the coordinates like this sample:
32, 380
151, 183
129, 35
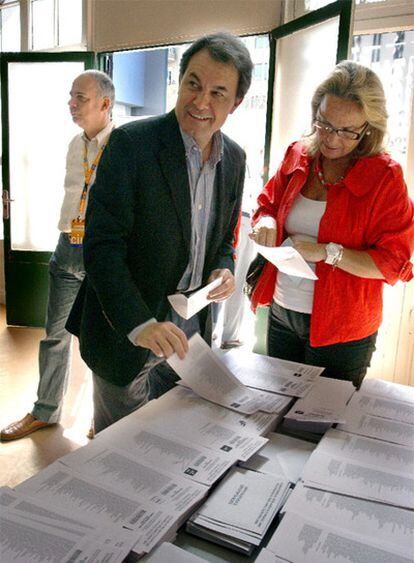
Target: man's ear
106, 104
236, 104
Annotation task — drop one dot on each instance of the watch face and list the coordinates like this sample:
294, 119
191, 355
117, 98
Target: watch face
332, 252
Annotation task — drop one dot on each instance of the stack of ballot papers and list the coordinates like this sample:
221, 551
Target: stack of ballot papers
323, 406
271, 374
169, 553
362, 467
283, 456
240, 510
34, 530
208, 377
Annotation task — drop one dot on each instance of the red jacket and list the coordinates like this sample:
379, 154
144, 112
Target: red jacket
369, 210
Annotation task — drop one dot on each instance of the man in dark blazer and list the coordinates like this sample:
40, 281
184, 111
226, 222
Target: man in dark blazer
161, 218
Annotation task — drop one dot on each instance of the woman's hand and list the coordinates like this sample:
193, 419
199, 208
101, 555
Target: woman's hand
310, 251
264, 232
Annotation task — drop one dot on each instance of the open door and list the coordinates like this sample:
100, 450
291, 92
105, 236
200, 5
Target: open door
302, 53
36, 131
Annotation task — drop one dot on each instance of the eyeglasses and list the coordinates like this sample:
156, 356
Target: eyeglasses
326, 129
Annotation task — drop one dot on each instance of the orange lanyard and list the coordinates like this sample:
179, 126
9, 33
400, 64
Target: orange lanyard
88, 173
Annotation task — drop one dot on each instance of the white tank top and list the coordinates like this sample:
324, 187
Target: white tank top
292, 292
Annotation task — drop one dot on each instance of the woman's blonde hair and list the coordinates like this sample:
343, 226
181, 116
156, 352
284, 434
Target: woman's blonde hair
355, 82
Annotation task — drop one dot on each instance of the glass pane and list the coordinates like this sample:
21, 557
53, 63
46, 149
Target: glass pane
391, 56
70, 22
10, 29
303, 59
37, 153
43, 24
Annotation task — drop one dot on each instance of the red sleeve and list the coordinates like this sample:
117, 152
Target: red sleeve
390, 233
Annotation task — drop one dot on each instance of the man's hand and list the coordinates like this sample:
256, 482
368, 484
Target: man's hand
163, 339
225, 289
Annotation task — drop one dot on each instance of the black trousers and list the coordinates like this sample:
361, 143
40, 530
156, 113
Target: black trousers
288, 339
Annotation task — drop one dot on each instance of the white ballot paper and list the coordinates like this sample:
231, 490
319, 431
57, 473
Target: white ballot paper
170, 553
132, 477
181, 405
362, 467
186, 458
358, 422
385, 407
382, 388
99, 505
394, 526
306, 540
206, 375
271, 374
242, 506
325, 403
186, 307
282, 456
287, 260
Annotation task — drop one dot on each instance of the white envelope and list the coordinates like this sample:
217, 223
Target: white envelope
186, 307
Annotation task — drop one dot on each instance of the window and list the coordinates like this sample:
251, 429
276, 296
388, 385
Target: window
10, 26
56, 23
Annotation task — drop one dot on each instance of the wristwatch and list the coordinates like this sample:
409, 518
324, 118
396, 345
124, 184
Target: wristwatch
334, 253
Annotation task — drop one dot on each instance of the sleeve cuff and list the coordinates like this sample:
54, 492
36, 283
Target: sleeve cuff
135, 332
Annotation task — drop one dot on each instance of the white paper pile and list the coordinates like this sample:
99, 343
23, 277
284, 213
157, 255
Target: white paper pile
323, 406
32, 530
240, 510
282, 456
362, 467
271, 374
206, 375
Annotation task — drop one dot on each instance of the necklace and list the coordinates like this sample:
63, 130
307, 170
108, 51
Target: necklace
319, 173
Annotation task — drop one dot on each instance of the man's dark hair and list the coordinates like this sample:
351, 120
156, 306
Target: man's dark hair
225, 48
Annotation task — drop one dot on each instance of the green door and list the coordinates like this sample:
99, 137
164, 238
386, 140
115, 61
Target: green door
36, 131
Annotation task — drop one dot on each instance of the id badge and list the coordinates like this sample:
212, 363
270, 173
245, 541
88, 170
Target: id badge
77, 232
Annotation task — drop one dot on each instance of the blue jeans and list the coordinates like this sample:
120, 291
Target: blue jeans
66, 272
288, 339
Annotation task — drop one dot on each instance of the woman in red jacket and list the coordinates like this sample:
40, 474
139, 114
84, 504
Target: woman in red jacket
341, 201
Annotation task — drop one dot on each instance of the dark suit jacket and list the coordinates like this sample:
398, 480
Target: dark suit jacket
137, 240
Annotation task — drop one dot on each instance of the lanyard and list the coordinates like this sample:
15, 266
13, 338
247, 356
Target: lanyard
88, 172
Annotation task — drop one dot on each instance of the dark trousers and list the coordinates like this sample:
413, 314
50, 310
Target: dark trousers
288, 339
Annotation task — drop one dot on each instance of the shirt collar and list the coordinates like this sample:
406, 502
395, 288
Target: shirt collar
101, 136
191, 145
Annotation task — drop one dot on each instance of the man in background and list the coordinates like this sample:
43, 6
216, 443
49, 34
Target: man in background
91, 99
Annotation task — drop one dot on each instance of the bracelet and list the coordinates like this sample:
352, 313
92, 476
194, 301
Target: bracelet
338, 258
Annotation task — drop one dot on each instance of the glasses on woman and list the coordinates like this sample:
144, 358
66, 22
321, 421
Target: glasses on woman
326, 128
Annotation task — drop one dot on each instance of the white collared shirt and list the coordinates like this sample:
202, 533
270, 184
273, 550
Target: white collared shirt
74, 177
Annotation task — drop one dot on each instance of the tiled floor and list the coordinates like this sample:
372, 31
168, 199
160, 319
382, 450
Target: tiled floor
18, 383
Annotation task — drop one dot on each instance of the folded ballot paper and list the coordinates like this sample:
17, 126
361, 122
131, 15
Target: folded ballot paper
288, 260
186, 307
240, 510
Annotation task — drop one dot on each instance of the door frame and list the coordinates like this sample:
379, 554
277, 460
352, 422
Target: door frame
26, 271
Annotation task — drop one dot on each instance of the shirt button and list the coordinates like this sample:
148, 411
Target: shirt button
200, 207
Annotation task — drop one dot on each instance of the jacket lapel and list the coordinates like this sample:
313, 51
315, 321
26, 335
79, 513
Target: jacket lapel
174, 166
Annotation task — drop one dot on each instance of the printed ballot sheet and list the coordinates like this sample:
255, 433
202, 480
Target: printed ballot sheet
388, 390
282, 456
99, 505
385, 407
325, 403
271, 374
305, 540
206, 375
287, 260
132, 477
177, 455
187, 307
182, 404
362, 467
243, 505
25, 538
367, 519
385, 429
